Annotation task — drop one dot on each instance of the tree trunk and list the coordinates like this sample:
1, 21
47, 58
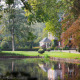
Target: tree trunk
13, 43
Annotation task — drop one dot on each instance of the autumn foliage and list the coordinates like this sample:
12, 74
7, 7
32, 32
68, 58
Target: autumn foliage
71, 26
73, 32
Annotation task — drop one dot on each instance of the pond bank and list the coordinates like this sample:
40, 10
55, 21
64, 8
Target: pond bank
51, 58
4, 57
55, 55
65, 60
68, 51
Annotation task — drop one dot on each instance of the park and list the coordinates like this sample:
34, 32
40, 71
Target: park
39, 40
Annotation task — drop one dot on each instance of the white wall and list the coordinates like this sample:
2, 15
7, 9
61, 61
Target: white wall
41, 44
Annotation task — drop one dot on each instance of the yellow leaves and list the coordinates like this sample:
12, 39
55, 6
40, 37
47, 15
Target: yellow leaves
49, 25
27, 12
33, 3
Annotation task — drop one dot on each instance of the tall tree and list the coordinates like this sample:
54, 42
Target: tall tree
71, 24
11, 10
52, 9
15, 23
48, 11
1, 15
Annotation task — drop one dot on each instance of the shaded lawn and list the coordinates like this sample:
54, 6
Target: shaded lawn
50, 54
25, 53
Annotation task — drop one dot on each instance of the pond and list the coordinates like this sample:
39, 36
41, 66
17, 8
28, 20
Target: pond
38, 69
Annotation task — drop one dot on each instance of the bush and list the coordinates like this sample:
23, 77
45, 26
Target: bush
78, 49
59, 48
0, 48
52, 48
35, 47
48, 49
66, 48
23, 47
41, 51
26, 47
55, 48
4, 45
30, 46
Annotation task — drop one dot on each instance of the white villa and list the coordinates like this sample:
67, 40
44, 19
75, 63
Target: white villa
45, 42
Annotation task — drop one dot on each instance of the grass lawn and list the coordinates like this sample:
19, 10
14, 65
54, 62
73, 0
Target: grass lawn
51, 54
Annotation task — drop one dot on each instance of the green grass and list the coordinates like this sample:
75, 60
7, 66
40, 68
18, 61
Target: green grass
50, 54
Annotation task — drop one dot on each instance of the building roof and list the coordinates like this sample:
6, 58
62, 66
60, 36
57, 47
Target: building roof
46, 40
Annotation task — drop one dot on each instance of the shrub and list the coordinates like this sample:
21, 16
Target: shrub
19, 47
4, 45
52, 48
41, 51
35, 47
66, 48
26, 47
48, 49
30, 46
59, 48
78, 49
0, 48
55, 48
43, 47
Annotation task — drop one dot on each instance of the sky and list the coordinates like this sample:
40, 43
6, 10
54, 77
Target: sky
19, 5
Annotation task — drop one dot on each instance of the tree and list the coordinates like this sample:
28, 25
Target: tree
71, 25
45, 11
53, 10
0, 10
15, 24
4, 45
48, 11
11, 17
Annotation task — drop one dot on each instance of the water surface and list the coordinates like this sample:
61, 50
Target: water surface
39, 69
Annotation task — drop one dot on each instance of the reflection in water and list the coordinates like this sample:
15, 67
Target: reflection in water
12, 65
28, 69
23, 69
61, 71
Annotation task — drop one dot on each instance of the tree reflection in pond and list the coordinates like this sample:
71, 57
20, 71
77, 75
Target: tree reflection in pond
24, 68
38, 69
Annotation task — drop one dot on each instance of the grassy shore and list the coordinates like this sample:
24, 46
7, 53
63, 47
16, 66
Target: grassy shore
50, 54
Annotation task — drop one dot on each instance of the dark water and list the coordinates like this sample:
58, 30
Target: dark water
38, 69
